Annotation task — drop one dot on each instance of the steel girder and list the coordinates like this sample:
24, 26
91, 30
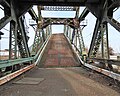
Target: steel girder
101, 38
38, 40
81, 42
17, 31
47, 21
76, 38
59, 2
102, 9
24, 39
13, 41
40, 34
104, 14
58, 8
94, 38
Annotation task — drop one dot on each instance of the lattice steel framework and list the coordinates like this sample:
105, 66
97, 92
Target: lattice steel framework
103, 10
58, 8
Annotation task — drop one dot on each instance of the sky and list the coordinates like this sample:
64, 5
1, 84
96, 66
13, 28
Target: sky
114, 35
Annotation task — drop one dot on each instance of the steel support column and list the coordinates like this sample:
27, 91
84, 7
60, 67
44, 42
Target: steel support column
24, 37
13, 41
94, 37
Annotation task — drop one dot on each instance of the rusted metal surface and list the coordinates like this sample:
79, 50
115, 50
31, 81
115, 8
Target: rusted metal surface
58, 53
15, 74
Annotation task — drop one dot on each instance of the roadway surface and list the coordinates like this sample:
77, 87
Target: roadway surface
58, 53
65, 81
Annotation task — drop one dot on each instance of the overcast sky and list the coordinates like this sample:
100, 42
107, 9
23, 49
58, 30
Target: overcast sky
114, 35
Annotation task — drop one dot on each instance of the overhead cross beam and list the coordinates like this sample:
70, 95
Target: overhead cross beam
59, 2
58, 21
59, 8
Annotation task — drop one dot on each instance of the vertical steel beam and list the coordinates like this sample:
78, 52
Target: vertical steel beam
50, 29
107, 41
24, 36
73, 35
107, 48
13, 41
13, 34
76, 30
47, 29
81, 42
77, 12
69, 33
98, 22
102, 44
65, 29
39, 33
37, 41
43, 35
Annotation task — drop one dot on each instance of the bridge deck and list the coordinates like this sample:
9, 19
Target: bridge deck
70, 81
58, 53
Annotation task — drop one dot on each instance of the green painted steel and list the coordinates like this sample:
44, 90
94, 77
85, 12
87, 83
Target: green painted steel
7, 63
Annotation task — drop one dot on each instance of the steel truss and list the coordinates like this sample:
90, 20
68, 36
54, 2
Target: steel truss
100, 35
59, 8
75, 36
14, 12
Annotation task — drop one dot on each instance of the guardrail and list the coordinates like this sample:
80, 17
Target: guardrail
109, 61
7, 63
100, 70
36, 58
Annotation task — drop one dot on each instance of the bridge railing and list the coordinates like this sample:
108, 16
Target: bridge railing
84, 60
7, 66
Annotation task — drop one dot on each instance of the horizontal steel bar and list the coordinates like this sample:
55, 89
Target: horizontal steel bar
103, 71
7, 63
59, 2
59, 8
15, 74
109, 61
52, 18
